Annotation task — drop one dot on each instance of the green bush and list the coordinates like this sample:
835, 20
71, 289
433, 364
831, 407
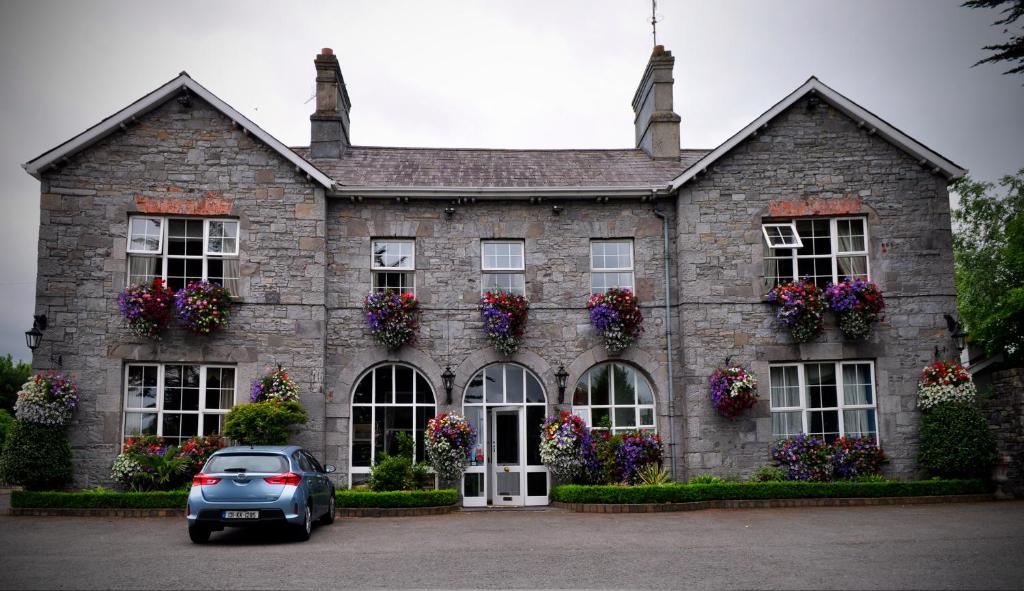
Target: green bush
706, 479
956, 442
99, 499
391, 473
685, 493
769, 474
6, 423
263, 423
398, 498
422, 478
36, 456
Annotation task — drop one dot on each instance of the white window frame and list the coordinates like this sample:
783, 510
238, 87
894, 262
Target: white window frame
585, 411
486, 270
375, 269
630, 269
840, 407
164, 256
159, 410
792, 228
834, 255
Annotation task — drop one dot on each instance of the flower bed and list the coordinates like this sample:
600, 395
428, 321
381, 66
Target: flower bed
47, 399
942, 382
617, 318
397, 498
686, 493
147, 309
203, 307
504, 317
801, 309
810, 458
449, 437
561, 438
858, 303
147, 463
732, 391
392, 317
275, 385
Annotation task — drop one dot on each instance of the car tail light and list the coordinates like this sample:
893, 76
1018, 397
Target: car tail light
204, 480
288, 479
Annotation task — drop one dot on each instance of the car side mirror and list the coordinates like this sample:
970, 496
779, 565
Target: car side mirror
329, 468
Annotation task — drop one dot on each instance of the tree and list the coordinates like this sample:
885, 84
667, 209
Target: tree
12, 376
988, 246
1013, 51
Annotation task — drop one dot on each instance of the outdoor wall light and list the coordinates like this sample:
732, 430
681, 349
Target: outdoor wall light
556, 210
34, 335
561, 375
956, 332
449, 212
448, 378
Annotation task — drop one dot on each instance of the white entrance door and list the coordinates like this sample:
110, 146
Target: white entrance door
507, 451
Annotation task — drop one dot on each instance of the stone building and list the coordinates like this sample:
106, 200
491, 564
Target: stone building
180, 185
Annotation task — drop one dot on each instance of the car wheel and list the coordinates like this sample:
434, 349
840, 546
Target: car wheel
303, 531
198, 535
328, 517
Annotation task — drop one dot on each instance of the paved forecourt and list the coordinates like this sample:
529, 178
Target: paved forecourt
956, 546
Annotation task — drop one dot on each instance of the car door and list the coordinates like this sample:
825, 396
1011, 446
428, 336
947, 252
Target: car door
325, 481
315, 480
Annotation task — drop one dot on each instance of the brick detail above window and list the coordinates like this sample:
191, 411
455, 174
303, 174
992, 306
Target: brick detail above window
211, 203
814, 206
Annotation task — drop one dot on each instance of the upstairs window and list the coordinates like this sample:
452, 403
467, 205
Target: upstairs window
611, 265
823, 250
183, 250
393, 263
502, 263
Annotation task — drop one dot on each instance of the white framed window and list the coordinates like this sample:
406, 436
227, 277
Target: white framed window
388, 400
393, 265
611, 265
614, 396
781, 235
830, 250
502, 263
176, 400
824, 399
183, 250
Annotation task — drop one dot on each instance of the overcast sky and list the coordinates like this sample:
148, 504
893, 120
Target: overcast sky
524, 74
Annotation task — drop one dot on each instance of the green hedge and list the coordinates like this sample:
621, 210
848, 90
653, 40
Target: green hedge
365, 499
684, 493
99, 500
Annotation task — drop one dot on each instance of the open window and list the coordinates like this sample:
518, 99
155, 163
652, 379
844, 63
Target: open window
781, 235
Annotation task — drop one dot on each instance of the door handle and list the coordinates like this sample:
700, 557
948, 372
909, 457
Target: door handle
505, 468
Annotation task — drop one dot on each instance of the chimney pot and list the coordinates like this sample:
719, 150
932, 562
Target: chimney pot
656, 124
327, 51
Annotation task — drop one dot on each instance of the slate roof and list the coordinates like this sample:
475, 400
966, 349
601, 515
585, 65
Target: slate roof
458, 167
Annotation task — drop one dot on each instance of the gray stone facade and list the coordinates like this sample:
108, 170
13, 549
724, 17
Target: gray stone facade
305, 266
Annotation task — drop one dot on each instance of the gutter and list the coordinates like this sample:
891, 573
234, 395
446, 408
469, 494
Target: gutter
643, 192
668, 342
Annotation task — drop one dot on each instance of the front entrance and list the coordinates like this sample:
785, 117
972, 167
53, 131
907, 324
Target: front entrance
505, 468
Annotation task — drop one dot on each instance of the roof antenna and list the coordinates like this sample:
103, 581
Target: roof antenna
654, 21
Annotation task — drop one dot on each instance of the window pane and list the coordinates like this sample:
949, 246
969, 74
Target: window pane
786, 424
624, 378
625, 417
853, 267
824, 424
537, 484
392, 255
647, 417
857, 386
382, 389
534, 391
816, 236
362, 435
850, 235
602, 282
610, 255
494, 384
363, 393
818, 270
403, 384
400, 282
860, 423
475, 389
514, 384
509, 282
643, 391
502, 255
139, 423
534, 420
600, 418
599, 385
785, 387
821, 385
144, 234
424, 393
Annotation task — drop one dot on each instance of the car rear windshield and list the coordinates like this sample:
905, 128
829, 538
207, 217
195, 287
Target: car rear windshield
268, 463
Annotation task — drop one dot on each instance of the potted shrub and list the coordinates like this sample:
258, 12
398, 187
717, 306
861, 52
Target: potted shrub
732, 391
264, 423
203, 307
561, 443
275, 385
858, 304
801, 309
47, 399
392, 317
147, 309
617, 318
504, 317
449, 439
944, 382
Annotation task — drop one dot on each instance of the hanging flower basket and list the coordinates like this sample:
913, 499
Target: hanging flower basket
504, 316
801, 309
561, 439
392, 317
858, 303
203, 307
276, 386
733, 391
147, 309
617, 318
944, 382
47, 399
449, 439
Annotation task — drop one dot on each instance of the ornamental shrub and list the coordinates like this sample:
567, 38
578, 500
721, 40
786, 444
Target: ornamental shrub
636, 451
504, 315
801, 309
36, 456
6, 423
47, 399
858, 303
769, 474
199, 449
147, 309
203, 307
732, 391
276, 385
391, 473
392, 317
956, 442
263, 423
706, 479
944, 382
617, 318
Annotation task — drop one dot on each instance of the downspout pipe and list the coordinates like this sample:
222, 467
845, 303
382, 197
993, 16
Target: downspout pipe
668, 342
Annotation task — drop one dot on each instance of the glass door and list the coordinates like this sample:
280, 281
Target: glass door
506, 447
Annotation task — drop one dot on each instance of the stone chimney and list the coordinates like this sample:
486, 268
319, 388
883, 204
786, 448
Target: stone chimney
329, 124
657, 125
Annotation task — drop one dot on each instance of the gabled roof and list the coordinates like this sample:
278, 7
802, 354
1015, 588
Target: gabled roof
117, 121
862, 116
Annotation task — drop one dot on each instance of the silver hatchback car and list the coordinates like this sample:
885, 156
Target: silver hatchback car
256, 485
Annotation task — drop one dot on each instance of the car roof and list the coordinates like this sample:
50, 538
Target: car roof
276, 449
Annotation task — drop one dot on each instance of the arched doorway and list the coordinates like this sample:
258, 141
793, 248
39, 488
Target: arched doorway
506, 404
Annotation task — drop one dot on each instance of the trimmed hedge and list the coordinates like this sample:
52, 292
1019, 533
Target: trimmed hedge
686, 493
99, 500
364, 499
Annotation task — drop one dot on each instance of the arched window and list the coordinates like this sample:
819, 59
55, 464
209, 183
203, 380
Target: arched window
388, 400
614, 396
